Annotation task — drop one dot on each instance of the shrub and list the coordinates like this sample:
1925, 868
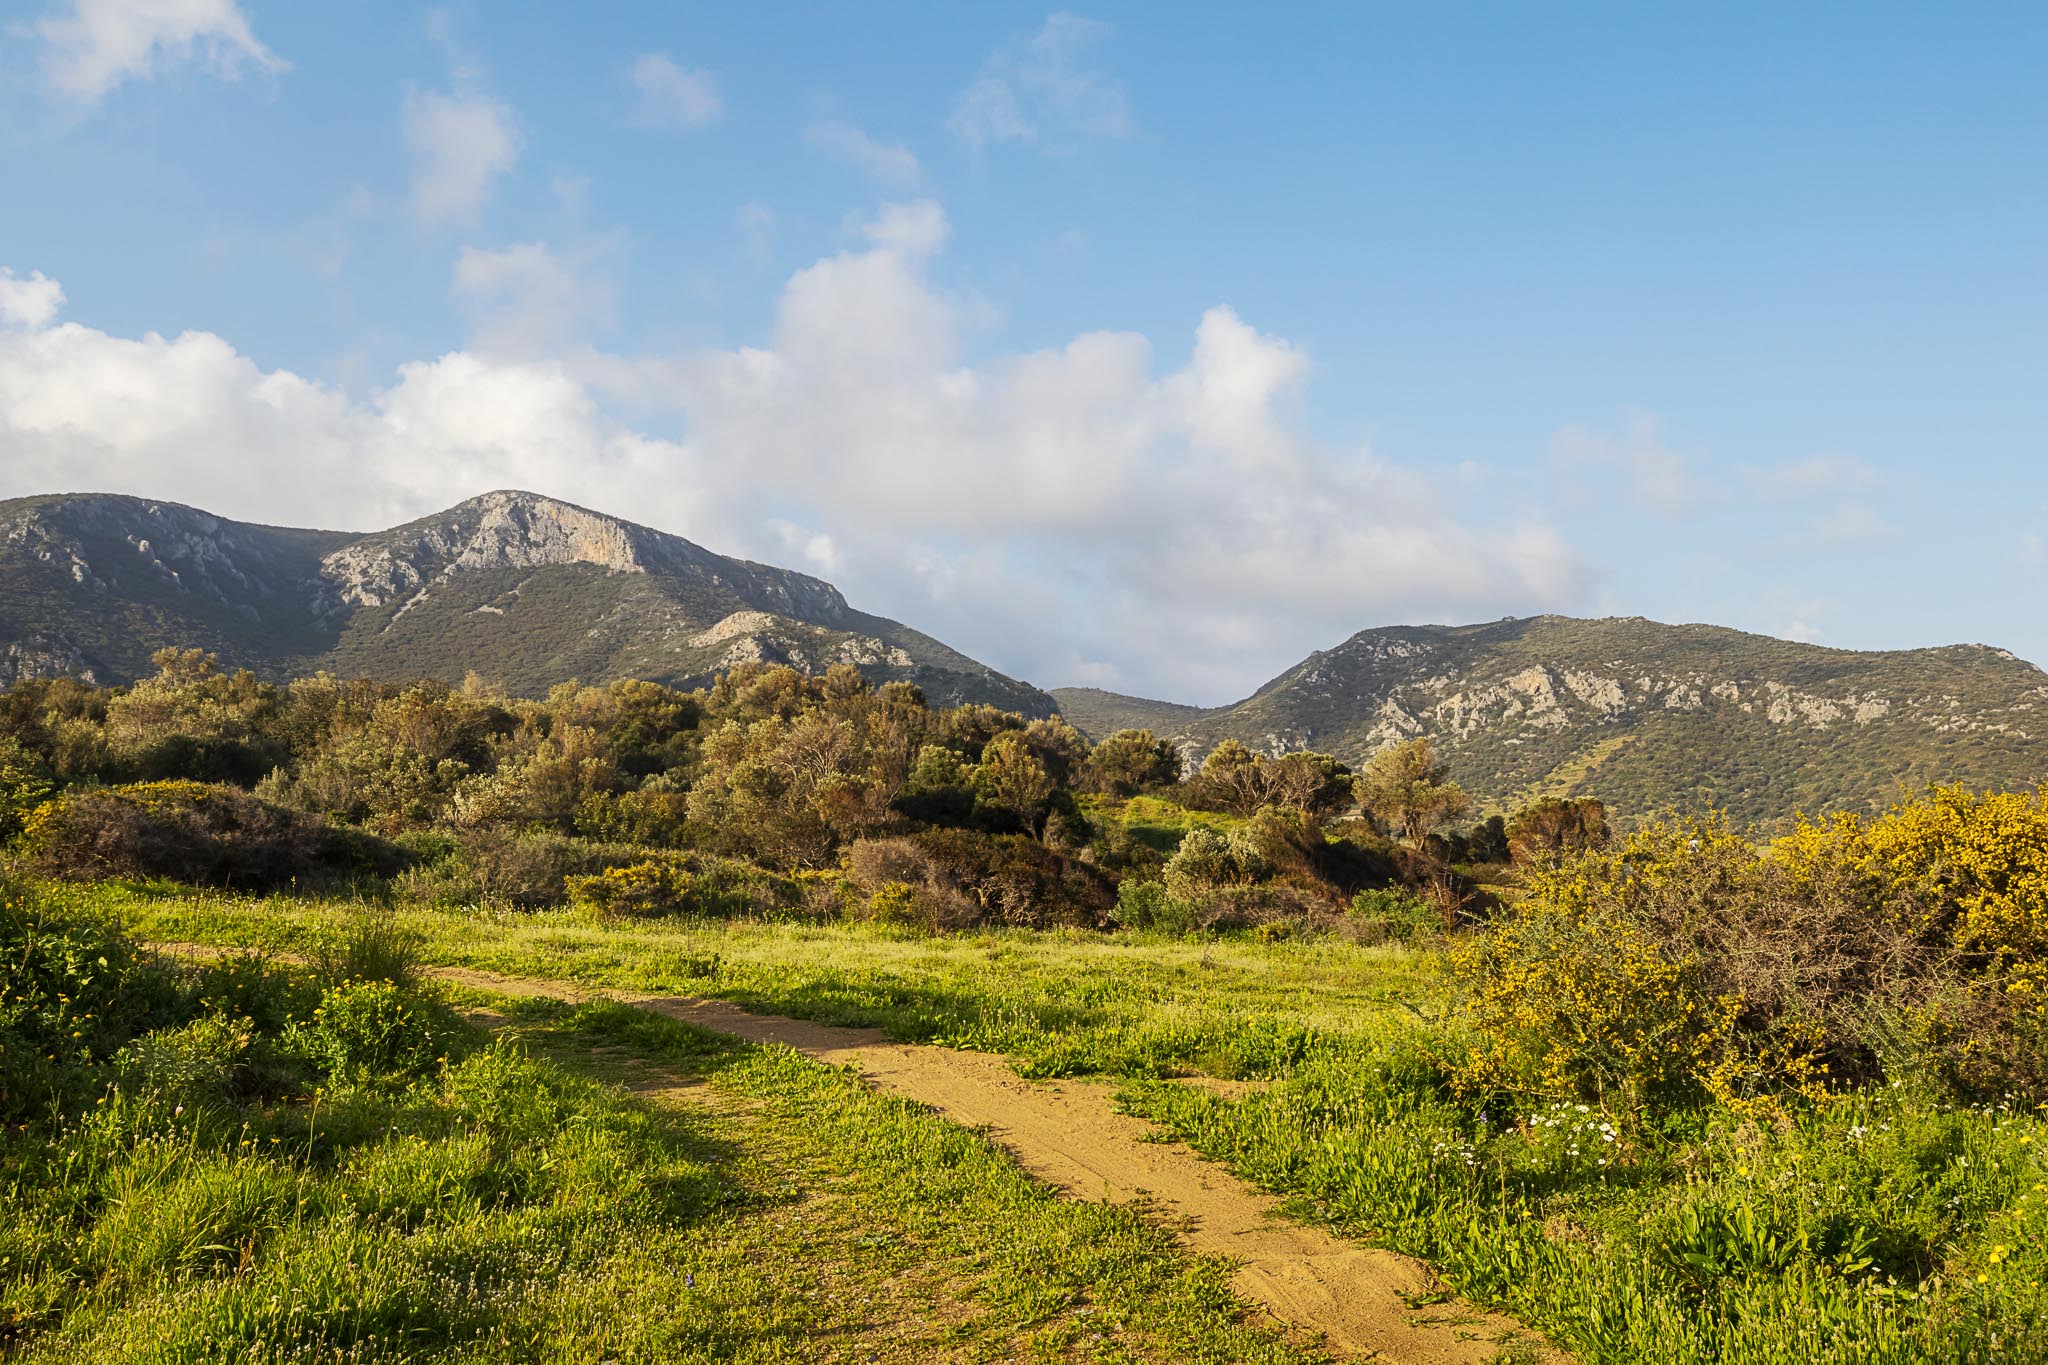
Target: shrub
191, 832
964, 877
658, 886
1149, 905
1687, 962
24, 785
500, 866
74, 991
1390, 915
1572, 996
363, 1030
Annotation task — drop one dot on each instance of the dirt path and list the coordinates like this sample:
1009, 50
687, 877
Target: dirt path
1069, 1134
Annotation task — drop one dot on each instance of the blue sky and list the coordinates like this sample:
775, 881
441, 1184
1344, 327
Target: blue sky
1143, 346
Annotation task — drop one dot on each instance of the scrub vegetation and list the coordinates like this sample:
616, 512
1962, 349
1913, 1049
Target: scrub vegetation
1667, 1094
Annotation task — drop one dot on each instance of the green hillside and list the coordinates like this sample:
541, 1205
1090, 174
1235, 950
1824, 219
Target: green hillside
1646, 715
525, 590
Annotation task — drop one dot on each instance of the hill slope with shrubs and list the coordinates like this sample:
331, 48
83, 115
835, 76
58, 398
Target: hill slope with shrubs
528, 589
1643, 715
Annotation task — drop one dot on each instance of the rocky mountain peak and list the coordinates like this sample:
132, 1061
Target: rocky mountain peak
508, 529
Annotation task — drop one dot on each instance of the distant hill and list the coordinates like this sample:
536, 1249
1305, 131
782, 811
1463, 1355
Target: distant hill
526, 590
1641, 714
1097, 714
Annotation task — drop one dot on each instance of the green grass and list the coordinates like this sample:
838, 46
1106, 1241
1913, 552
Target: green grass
1061, 1003
520, 1204
1882, 1227
1156, 822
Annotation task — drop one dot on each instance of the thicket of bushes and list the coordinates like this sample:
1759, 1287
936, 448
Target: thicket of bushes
770, 792
1687, 963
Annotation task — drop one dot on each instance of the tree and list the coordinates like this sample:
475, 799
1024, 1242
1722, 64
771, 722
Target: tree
1315, 784
1132, 761
1232, 778
1406, 787
1012, 777
1553, 828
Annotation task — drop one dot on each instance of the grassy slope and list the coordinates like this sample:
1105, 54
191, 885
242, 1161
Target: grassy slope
1099, 714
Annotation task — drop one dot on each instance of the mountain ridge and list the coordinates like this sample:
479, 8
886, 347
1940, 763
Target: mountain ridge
527, 589
1646, 714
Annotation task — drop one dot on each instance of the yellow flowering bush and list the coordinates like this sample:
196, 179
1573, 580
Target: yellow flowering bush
657, 886
1689, 961
1976, 865
1574, 993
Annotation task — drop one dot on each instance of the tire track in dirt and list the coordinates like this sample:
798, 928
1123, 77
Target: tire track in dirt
1071, 1135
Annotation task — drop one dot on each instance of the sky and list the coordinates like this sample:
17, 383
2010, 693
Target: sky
1146, 347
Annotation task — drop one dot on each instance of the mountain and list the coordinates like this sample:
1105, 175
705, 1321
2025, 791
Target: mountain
1097, 713
526, 590
1644, 715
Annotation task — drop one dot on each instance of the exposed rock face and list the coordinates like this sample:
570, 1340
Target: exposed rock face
512, 530
524, 588
1647, 715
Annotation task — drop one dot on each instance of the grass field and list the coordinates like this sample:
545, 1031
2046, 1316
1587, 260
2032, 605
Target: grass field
1879, 1227
591, 1184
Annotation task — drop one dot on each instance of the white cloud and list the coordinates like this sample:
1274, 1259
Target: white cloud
1209, 541
30, 302
915, 229
1074, 511
190, 418
91, 46
1637, 458
1038, 91
528, 298
671, 97
460, 145
891, 163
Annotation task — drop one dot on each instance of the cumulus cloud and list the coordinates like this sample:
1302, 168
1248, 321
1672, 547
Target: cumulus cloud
529, 298
890, 163
91, 46
916, 229
29, 302
1040, 91
1207, 537
1083, 511
1634, 459
460, 146
189, 417
671, 97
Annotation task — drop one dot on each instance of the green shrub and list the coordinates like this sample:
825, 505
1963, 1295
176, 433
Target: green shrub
75, 989
192, 832
1149, 905
24, 784
363, 1030
657, 886
1390, 915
